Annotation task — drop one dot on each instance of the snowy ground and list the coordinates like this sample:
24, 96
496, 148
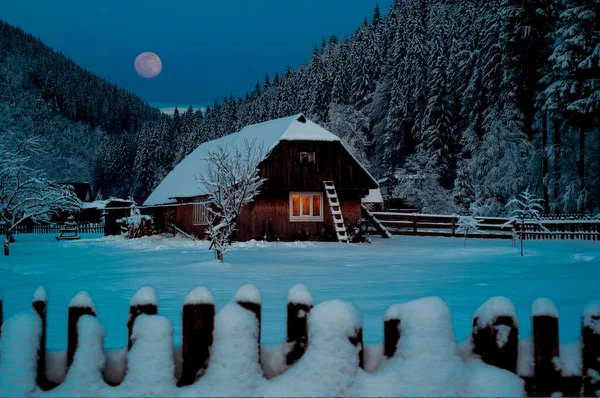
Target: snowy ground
370, 276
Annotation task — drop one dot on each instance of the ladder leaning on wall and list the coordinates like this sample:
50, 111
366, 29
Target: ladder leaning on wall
336, 211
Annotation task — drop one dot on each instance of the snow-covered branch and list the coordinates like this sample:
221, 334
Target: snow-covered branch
25, 193
231, 181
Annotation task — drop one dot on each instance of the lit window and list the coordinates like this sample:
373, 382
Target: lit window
307, 157
201, 214
306, 206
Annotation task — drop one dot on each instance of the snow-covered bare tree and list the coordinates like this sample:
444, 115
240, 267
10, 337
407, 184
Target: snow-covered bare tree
526, 208
467, 225
232, 181
25, 193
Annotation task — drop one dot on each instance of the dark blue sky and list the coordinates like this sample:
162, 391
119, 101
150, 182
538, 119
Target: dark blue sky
208, 48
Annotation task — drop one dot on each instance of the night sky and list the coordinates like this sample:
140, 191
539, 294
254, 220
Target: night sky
208, 48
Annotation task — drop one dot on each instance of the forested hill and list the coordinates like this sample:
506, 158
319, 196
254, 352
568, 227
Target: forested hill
465, 100
88, 124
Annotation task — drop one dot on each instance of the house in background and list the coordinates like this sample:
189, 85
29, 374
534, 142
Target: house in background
392, 202
313, 189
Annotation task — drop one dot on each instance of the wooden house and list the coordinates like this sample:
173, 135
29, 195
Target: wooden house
313, 187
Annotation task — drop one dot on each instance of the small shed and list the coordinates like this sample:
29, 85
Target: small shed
114, 210
373, 200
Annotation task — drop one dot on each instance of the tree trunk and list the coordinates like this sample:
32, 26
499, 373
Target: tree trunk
545, 163
7, 240
557, 151
522, 234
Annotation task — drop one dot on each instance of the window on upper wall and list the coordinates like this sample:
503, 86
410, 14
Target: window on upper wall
201, 214
306, 206
307, 157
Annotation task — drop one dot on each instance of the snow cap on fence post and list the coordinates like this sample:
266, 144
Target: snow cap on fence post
391, 330
248, 296
299, 304
85, 375
80, 305
590, 334
151, 361
197, 328
546, 351
18, 352
495, 335
145, 301
40, 306
333, 320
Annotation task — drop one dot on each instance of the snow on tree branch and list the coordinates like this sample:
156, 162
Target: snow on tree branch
25, 193
232, 182
526, 210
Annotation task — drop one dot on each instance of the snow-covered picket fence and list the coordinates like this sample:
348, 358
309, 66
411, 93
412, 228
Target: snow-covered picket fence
54, 228
323, 353
559, 227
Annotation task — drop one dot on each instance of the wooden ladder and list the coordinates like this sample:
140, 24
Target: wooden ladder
336, 212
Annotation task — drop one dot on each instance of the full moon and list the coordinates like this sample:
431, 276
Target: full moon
148, 65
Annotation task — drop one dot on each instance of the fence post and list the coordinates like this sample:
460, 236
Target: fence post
495, 335
356, 340
590, 352
81, 304
197, 325
144, 301
391, 330
40, 306
299, 304
248, 297
415, 224
546, 350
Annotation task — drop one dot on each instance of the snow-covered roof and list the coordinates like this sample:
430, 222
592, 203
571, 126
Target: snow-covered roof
182, 182
374, 196
97, 204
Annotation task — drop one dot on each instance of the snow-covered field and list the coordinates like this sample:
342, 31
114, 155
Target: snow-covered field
372, 277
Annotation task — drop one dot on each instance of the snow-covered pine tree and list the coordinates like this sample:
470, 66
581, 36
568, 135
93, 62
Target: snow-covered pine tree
320, 88
351, 126
500, 167
418, 184
397, 131
435, 134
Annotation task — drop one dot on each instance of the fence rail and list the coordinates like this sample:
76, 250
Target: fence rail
54, 228
494, 339
558, 227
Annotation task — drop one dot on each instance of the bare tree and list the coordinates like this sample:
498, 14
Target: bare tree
526, 209
25, 193
468, 224
232, 181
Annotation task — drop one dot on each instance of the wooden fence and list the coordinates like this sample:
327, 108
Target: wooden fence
495, 341
559, 227
54, 228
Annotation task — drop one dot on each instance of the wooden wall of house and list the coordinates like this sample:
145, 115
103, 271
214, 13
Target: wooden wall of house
284, 170
185, 219
269, 217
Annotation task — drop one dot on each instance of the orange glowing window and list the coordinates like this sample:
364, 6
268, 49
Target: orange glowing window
306, 206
